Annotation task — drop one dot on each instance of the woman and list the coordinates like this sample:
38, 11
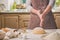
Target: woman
41, 14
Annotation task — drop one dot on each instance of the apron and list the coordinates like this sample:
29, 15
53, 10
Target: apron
49, 22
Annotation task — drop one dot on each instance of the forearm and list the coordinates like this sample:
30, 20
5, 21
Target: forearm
30, 8
48, 8
33, 10
37, 12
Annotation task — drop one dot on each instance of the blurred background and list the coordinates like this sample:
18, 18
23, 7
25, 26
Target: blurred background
12, 5
16, 13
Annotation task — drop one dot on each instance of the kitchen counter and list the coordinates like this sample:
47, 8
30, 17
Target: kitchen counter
26, 11
17, 11
37, 37
56, 9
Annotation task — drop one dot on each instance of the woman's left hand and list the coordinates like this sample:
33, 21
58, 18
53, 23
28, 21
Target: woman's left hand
42, 18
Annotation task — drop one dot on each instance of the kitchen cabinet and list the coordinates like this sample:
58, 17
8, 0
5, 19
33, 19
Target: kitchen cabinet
57, 19
20, 20
14, 20
24, 20
10, 21
0, 21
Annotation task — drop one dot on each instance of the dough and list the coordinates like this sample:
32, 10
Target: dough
6, 29
38, 30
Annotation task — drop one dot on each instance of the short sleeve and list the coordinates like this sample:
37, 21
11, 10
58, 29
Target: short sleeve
52, 2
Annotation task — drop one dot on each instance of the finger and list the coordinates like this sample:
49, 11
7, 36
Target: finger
41, 23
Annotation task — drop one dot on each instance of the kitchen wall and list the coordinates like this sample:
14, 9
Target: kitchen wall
4, 2
57, 6
9, 3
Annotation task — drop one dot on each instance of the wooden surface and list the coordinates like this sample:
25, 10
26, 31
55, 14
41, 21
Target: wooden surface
57, 19
16, 20
21, 19
0, 21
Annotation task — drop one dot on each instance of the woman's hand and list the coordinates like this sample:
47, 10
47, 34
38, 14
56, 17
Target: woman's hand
42, 18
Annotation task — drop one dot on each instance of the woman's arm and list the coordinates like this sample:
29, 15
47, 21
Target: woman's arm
30, 8
49, 7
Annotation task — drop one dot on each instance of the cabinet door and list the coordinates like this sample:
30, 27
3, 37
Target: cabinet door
0, 21
24, 20
10, 21
57, 19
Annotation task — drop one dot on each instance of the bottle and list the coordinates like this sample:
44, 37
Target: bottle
13, 7
24, 1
